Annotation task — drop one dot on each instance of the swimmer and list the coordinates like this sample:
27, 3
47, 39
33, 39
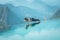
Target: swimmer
30, 20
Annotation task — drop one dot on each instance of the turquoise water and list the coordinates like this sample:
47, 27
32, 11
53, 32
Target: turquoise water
47, 11
46, 30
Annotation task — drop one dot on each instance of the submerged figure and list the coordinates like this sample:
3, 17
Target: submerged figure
30, 20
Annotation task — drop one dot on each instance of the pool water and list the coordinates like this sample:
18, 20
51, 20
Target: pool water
48, 12
48, 30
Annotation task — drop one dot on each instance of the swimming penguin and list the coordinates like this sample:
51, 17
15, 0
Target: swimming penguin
30, 20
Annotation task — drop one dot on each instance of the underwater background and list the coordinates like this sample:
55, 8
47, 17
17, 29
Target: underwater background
48, 11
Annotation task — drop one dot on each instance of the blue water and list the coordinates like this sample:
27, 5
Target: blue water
46, 30
46, 11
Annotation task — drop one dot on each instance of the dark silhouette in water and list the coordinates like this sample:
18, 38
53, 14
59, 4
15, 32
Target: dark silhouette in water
37, 21
33, 24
